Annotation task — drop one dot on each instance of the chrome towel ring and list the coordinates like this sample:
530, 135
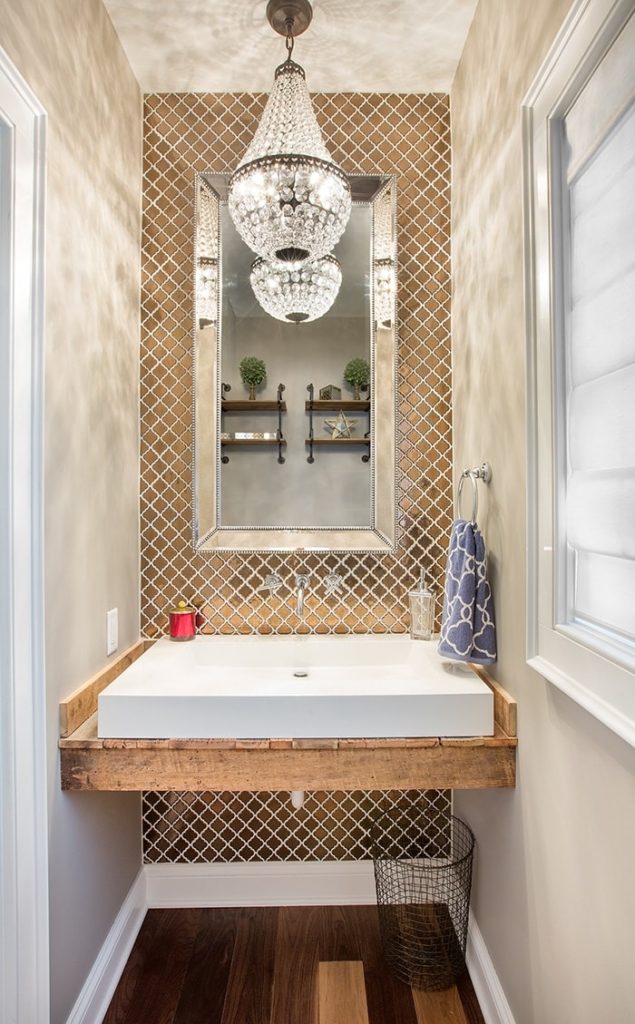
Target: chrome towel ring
484, 473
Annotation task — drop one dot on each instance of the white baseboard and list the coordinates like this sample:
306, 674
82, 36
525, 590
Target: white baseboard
488, 988
311, 883
97, 991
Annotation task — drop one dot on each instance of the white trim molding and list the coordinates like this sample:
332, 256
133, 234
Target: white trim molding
279, 884
98, 989
24, 960
596, 675
488, 989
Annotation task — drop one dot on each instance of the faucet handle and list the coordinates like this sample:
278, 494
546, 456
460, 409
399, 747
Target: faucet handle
272, 582
334, 584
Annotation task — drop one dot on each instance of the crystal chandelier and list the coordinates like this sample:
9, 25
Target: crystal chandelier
384, 291
206, 259
296, 292
206, 290
287, 198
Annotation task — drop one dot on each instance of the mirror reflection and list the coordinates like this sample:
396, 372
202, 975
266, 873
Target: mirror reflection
294, 412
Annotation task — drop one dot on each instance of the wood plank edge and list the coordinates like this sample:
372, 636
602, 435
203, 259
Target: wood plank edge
505, 707
165, 770
82, 702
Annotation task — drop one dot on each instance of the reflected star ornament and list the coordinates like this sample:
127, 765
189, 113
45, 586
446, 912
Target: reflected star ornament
341, 426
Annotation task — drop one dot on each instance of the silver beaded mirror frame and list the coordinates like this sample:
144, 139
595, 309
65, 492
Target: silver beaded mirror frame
214, 526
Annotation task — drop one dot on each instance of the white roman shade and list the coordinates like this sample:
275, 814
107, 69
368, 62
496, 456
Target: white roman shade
599, 358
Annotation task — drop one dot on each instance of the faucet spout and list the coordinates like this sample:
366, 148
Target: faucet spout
301, 582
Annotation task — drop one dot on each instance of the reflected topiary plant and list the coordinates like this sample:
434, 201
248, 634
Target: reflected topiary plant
357, 375
252, 373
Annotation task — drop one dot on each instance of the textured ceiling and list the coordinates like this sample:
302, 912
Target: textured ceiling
388, 46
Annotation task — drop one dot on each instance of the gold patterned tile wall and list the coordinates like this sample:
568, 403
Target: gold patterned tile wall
401, 134
229, 827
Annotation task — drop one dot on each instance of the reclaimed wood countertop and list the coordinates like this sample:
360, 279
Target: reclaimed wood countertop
286, 763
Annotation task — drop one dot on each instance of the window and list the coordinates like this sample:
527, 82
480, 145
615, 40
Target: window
579, 136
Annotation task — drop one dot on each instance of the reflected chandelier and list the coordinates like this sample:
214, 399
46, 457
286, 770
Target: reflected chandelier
287, 198
296, 292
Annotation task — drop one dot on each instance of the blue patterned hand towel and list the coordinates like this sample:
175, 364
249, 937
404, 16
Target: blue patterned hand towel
468, 632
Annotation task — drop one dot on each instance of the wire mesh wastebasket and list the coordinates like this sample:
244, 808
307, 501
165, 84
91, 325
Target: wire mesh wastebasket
423, 894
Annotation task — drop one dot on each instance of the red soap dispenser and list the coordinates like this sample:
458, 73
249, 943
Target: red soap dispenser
182, 622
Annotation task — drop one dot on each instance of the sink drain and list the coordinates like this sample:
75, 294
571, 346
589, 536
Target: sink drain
300, 674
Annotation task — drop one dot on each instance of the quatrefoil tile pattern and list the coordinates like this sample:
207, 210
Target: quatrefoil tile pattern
401, 134
231, 827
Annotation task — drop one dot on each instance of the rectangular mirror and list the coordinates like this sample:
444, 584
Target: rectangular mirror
304, 461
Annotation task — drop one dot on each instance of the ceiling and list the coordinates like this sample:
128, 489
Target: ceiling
389, 46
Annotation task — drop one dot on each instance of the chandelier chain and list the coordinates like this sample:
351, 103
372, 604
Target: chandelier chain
289, 39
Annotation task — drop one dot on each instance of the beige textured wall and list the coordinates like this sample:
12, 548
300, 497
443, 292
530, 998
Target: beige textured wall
554, 893
70, 56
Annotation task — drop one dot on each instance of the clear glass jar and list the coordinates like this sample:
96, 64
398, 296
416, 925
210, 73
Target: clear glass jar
422, 608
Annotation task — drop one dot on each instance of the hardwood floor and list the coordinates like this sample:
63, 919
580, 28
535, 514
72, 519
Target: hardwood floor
273, 965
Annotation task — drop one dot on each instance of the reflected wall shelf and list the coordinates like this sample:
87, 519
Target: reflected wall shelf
258, 405
246, 405
322, 405
334, 405
92, 764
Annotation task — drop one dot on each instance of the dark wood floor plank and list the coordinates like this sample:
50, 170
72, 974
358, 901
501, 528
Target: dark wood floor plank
134, 971
296, 963
340, 937
388, 998
166, 949
204, 986
471, 1008
250, 982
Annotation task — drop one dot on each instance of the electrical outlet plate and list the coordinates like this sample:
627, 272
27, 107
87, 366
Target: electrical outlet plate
112, 631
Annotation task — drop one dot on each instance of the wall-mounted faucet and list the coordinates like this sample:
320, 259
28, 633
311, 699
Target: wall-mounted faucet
334, 584
271, 583
301, 583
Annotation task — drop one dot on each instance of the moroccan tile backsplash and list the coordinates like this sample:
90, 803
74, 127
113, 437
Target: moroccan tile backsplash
249, 827
405, 135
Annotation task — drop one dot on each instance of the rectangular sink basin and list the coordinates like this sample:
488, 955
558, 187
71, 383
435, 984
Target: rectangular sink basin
295, 686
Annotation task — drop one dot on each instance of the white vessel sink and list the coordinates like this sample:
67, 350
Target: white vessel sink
250, 687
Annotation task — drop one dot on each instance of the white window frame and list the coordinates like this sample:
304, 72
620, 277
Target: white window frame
598, 678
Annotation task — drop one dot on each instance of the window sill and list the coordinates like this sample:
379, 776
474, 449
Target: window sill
615, 720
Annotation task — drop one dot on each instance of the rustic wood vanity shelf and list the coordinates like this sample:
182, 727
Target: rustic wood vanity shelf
90, 763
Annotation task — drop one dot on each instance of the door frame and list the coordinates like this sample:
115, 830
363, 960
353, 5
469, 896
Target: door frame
24, 934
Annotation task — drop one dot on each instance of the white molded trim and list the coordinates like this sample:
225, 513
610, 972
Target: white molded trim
488, 988
24, 940
305, 883
98, 989
610, 716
